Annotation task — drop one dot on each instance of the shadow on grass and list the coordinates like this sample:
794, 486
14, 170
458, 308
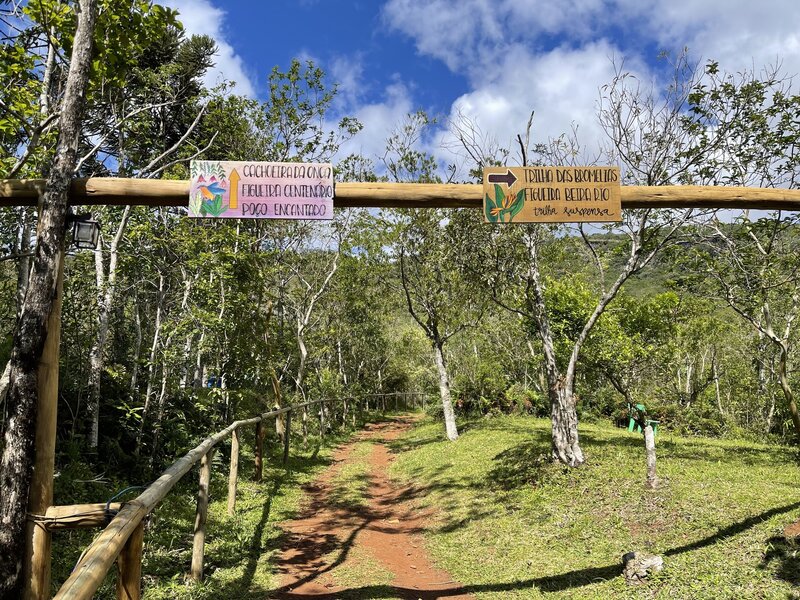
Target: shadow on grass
788, 570
257, 545
733, 529
555, 583
785, 555
526, 464
699, 450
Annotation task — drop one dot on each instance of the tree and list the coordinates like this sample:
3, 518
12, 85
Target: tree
29, 339
143, 114
754, 268
647, 135
438, 297
753, 262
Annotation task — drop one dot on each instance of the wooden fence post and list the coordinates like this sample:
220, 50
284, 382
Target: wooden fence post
129, 563
259, 461
287, 431
198, 548
233, 475
36, 562
304, 426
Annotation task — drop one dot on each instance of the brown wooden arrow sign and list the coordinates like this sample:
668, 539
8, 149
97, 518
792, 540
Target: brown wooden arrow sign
551, 194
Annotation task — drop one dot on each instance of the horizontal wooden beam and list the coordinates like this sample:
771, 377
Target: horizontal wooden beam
159, 192
79, 516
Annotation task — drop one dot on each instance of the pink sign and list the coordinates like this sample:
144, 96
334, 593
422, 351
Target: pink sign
261, 190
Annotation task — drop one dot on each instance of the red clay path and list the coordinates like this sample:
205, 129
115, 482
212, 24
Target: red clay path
387, 529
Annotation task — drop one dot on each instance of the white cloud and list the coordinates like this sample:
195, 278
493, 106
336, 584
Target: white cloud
467, 34
348, 73
201, 17
739, 33
560, 86
378, 119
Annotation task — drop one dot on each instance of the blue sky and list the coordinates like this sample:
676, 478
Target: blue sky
493, 60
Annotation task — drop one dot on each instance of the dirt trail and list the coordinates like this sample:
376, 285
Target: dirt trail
387, 530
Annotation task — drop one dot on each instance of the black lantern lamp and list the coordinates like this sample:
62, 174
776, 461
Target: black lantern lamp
85, 231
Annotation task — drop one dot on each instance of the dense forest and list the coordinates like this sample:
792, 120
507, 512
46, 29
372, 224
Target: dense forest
173, 327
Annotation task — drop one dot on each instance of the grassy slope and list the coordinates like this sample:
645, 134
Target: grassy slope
513, 525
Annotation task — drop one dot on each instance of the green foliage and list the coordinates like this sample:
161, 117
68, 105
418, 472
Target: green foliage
403, 158
288, 126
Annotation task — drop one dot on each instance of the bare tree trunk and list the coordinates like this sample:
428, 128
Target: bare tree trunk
301, 367
787, 389
24, 261
563, 413
106, 293
715, 374
444, 392
16, 466
186, 366
151, 366
137, 349
198, 365
564, 419
159, 411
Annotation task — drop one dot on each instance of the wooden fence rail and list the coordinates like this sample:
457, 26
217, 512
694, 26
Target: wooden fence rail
121, 540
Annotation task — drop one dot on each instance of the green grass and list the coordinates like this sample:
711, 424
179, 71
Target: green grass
511, 524
351, 481
360, 569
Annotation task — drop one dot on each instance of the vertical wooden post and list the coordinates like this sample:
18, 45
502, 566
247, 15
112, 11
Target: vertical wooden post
304, 426
200, 518
650, 448
286, 433
233, 475
36, 563
259, 462
129, 563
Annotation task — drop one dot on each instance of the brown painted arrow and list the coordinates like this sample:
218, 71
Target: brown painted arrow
509, 178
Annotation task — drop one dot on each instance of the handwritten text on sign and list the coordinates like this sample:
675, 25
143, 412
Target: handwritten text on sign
551, 194
261, 190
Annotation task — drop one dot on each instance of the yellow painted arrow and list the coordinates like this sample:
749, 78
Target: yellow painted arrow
234, 193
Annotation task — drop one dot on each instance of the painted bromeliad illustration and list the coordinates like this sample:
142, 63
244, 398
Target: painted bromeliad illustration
503, 204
